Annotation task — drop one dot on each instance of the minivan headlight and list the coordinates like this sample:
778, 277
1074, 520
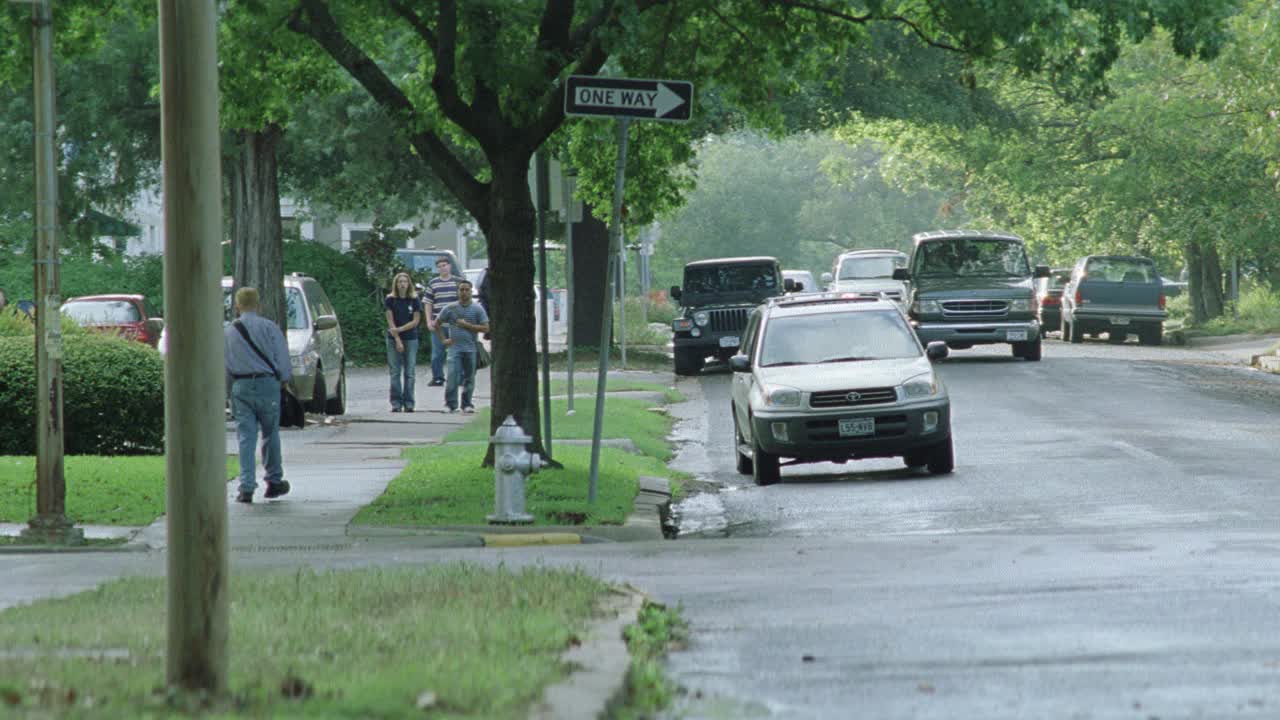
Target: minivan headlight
1023, 305
926, 307
702, 317
778, 396
920, 386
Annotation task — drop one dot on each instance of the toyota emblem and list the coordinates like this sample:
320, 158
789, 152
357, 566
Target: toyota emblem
853, 396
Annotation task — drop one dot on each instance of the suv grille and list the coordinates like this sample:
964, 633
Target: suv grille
841, 398
729, 320
975, 308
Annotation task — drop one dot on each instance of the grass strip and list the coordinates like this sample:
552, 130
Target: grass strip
624, 418
446, 641
585, 387
656, 631
101, 490
445, 485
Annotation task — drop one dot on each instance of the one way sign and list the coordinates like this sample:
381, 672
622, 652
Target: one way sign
628, 97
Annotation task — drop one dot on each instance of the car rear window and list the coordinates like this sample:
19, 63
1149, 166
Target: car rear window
102, 312
1121, 270
837, 337
730, 278
866, 268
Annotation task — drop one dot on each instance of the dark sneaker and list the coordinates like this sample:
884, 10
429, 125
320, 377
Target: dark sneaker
275, 490
244, 497
395, 409
437, 382
408, 409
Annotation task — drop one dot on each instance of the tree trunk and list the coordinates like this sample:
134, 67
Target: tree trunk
590, 277
509, 234
256, 232
1204, 282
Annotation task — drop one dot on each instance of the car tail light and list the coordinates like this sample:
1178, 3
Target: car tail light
1161, 301
1078, 300
1049, 301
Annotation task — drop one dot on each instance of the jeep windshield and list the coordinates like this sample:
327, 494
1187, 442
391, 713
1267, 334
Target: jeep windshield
712, 282
972, 257
837, 337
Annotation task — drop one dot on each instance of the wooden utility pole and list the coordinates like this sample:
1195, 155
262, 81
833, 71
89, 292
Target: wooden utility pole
195, 451
50, 523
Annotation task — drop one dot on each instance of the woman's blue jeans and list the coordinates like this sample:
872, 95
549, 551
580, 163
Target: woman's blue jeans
403, 369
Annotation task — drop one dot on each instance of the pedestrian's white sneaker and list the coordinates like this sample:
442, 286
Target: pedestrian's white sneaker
468, 409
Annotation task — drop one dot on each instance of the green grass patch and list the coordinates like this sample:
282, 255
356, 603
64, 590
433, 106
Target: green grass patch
445, 485
623, 418
116, 490
586, 387
586, 359
649, 691
358, 643
1258, 314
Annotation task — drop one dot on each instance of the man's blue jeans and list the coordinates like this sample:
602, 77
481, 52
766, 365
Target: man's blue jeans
255, 404
403, 367
437, 358
462, 372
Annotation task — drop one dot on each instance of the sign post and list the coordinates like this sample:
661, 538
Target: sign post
624, 99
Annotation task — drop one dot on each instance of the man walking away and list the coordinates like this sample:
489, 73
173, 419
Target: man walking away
441, 291
257, 365
467, 319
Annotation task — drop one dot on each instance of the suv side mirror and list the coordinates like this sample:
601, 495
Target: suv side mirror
826, 277
937, 350
326, 322
1042, 271
675, 292
901, 274
740, 363
790, 285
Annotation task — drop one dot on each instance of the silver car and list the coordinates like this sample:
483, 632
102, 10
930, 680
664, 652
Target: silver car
315, 344
833, 377
868, 271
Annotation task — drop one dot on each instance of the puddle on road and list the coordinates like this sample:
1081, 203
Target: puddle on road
700, 515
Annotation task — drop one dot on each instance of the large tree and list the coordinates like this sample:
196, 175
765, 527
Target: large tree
490, 75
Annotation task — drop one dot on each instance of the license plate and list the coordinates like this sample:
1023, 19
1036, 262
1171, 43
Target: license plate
1019, 335
729, 341
853, 427
1119, 321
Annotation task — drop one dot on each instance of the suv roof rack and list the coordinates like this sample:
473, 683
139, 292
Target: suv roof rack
935, 234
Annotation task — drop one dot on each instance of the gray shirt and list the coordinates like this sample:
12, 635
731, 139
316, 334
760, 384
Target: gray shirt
463, 340
242, 360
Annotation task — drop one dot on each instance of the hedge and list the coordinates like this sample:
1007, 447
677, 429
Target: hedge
113, 396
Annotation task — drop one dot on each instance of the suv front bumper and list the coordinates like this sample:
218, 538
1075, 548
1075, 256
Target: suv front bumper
976, 333
816, 435
709, 343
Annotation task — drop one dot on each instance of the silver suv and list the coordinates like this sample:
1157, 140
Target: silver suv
868, 271
315, 344
832, 377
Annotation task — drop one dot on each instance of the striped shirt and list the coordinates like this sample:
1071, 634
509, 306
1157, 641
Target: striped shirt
441, 292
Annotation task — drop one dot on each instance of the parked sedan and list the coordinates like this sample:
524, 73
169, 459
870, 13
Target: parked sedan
1049, 298
128, 315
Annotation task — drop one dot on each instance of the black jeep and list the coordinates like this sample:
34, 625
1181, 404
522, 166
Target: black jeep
715, 301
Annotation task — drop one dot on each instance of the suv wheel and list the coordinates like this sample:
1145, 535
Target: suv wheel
1071, 332
942, 459
764, 466
337, 405
1029, 350
1151, 335
318, 395
744, 464
915, 459
687, 361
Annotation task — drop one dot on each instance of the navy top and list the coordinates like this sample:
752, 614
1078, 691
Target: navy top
402, 310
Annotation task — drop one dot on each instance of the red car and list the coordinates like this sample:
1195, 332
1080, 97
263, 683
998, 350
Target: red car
128, 315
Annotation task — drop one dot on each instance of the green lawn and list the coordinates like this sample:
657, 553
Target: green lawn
445, 485
623, 418
585, 386
116, 490
357, 644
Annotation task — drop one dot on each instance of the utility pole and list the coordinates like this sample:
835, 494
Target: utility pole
195, 452
50, 524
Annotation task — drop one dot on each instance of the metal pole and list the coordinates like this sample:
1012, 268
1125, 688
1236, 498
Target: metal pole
606, 318
622, 299
1235, 288
195, 443
541, 181
50, 523
642, 264
568, 272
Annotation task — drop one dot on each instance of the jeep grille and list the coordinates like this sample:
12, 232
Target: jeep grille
841, 398
728, 320
975, 308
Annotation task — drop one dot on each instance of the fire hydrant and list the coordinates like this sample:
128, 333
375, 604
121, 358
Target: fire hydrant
512, 463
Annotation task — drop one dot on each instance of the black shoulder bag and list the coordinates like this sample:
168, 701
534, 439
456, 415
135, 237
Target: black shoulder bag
291, 413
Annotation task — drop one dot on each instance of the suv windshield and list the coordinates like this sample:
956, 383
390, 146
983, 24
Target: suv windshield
972, 257
865, 268
837, 337
730, 278
1117, 269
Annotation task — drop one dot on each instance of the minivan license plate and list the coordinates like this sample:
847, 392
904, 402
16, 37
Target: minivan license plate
729, 341
1015, 335
852, 427
1119, 321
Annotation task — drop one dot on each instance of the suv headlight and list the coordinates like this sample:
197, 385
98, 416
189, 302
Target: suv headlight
1023, 305
926, 307
702, 317
778, 396
920, 386
682, 324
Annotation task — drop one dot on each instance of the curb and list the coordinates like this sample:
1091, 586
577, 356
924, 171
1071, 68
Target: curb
599, 664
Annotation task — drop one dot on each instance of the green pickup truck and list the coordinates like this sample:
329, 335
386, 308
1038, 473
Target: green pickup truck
973, 287
1115, 294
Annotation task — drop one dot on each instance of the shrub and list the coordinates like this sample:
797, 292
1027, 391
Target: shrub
358, 302
82, 276
113, 396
